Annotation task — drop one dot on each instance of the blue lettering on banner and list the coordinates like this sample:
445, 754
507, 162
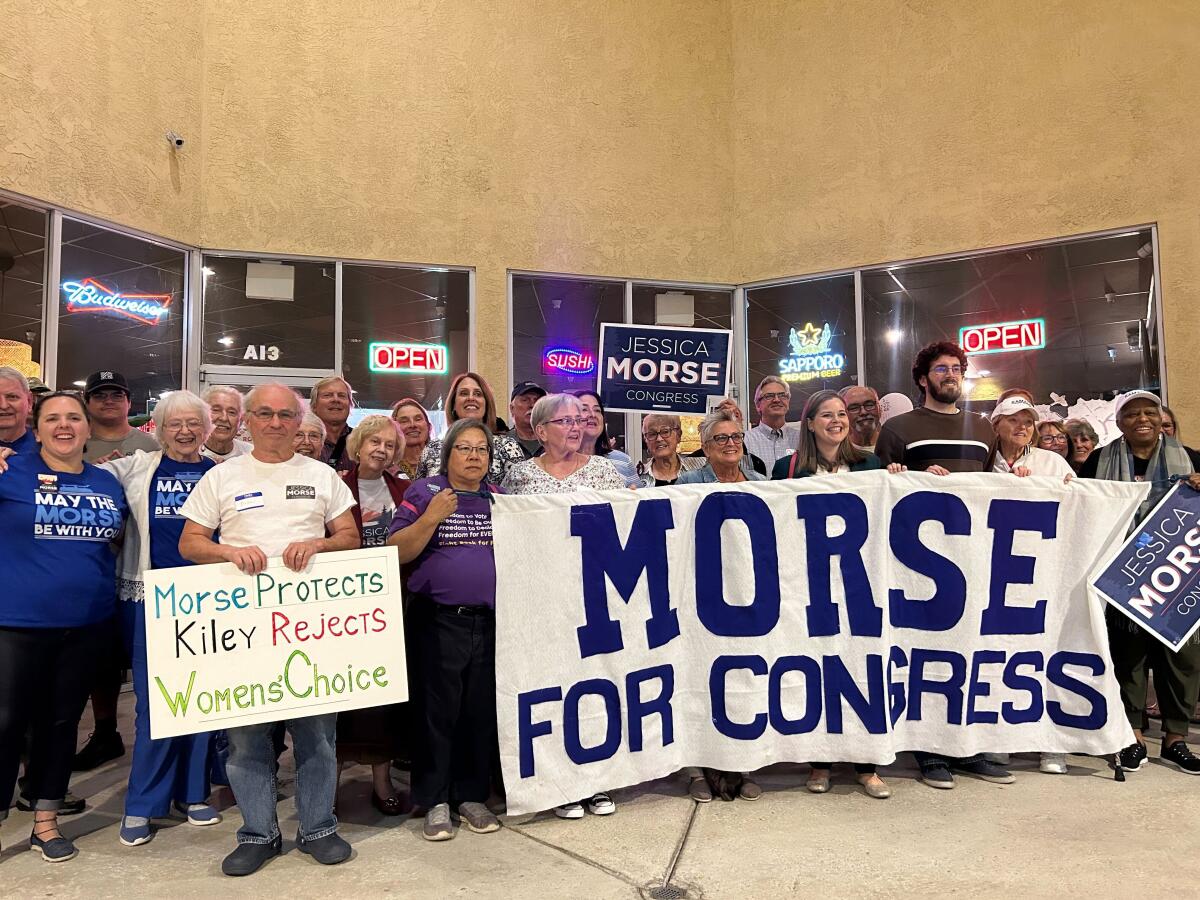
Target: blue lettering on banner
1006, 517
762, 613
815, 510
945, 608
1154, 579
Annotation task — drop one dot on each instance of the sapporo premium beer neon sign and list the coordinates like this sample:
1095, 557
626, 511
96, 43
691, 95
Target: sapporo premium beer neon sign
90, 295
1003, 337
813, 355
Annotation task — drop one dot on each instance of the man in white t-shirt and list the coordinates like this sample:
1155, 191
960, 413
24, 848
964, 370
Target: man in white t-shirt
273, 502
225, 408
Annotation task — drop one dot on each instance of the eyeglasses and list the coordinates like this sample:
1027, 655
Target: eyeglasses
948, 370
468, 451
177, 425
725, 439
773, 396
310, 436
266, 415
659, 435
567, 421
1052, 439
865, 406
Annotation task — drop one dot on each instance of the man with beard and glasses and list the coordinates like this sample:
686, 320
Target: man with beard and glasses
940, 438
862, 408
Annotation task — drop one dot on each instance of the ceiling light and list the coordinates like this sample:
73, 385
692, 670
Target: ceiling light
208, 271
227, 341
893, 336
79, 383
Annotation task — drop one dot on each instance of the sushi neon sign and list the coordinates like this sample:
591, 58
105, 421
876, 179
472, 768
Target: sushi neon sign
90, 295
567, 361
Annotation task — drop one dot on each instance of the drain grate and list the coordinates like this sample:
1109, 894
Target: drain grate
666, 892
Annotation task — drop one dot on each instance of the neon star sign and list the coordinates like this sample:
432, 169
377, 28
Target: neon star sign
812, 356
1003, 337
90, 295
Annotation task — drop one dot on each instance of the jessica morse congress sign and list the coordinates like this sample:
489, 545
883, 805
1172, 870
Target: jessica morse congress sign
848, 618
655, 368
225, 649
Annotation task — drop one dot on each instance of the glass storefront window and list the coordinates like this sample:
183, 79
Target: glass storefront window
121, 302
1072, 318
804, 332
405, 333
564, 315
268, 313
689, 308
22, 286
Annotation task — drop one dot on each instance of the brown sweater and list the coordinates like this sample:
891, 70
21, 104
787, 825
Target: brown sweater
924, 438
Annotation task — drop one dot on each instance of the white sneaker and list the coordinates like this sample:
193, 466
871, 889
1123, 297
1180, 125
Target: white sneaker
569, 811
1054, 763
1000, 759
602, 805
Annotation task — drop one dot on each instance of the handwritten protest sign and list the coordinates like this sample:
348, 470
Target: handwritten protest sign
1154, 579
225, 649
847, 618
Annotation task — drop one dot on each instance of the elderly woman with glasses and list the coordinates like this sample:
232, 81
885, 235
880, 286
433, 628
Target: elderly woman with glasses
470, 397
558, 422
661, 434
443, 533
310, 438
596, 440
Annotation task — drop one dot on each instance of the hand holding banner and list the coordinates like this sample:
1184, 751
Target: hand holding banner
224, 649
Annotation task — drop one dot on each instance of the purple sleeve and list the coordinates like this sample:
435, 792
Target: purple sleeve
406, 513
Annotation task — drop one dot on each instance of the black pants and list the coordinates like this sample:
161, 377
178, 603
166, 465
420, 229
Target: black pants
45, 675
1176, 674
454, 651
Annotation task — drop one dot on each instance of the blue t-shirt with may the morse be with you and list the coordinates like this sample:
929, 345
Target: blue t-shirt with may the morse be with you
171, 486
59, 567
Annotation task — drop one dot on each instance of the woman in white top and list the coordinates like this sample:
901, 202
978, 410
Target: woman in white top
1015, 422
557, 420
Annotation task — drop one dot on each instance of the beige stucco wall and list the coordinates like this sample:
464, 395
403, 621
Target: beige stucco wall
871, 132
722, 140
89, 91
552, 135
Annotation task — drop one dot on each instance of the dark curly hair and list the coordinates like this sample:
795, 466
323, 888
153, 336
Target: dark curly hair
930, 352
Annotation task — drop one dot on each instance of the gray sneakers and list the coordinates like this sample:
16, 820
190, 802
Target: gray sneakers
438, 826
479, 818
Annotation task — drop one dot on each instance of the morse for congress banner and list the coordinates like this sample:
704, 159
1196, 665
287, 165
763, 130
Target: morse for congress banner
225, 649
655, 368
1154, 579
845, 619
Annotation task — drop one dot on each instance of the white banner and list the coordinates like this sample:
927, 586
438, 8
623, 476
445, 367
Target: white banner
225, 649
838, 619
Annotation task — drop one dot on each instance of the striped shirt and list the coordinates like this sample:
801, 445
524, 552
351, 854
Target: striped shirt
958, 442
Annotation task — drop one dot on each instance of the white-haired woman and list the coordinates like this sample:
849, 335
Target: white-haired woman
558, 422
661, 434
310, 437
170, 771
226, 410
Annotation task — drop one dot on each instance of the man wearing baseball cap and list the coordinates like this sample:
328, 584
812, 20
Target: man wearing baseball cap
520, 404
1144, 453
107, 397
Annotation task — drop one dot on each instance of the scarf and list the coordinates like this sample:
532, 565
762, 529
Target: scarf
1169, 463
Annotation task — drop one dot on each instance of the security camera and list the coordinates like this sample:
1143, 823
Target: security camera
175, 139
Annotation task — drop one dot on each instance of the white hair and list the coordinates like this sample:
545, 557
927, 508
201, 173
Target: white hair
181, 402
219, 390
14, 375
547, 407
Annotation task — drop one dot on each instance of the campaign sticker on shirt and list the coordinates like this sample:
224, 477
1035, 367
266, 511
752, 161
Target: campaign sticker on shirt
252, 500
301, 492
47, 483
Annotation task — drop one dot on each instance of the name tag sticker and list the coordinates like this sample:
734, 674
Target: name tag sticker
252, 500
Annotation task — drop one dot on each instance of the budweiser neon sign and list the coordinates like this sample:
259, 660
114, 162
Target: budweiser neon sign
90, 295
1003, 337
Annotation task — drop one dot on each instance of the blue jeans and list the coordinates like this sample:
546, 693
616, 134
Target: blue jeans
251, 769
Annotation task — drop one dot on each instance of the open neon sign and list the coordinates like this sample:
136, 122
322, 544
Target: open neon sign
568, 361
90, 295
1003, 337
408, 359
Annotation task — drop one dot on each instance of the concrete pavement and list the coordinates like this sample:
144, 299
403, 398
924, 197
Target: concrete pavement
1078, 834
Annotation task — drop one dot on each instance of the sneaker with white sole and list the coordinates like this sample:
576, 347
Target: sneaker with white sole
200, 814
135, 835
1181, 757
985, 770
438, 826
1053, 763
479, 818
601, 805
1134, 757
569, 811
